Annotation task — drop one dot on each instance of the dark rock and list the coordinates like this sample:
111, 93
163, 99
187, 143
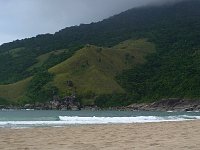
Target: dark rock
171, 104
189, 109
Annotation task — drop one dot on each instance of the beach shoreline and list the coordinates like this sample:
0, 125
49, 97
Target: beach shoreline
163, 135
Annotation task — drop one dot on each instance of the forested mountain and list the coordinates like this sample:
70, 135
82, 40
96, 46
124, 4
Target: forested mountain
172, 71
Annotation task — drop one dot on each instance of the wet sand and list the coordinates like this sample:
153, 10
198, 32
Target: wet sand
150, 136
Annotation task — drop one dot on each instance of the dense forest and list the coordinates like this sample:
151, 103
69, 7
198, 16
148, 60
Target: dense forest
173, 71
17, 56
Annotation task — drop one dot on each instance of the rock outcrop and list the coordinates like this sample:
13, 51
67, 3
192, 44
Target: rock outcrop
171, 104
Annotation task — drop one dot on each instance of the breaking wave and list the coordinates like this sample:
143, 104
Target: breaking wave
75, 120
119, 120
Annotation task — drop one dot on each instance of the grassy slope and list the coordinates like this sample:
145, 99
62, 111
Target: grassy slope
94, 68
42, 58
14, 91
15, 52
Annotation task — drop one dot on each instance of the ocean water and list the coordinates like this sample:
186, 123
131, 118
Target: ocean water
50, 118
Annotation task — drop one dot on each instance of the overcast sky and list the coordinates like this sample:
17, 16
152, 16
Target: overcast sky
26, 18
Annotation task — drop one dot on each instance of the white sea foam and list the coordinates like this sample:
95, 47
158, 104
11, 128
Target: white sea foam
190, 117
115, 120
67, 120
170, 111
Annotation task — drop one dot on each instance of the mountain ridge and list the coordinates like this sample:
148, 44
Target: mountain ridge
172, 71
92, 70
108, 32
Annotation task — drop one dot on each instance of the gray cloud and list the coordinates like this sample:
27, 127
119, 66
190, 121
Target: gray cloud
27, 18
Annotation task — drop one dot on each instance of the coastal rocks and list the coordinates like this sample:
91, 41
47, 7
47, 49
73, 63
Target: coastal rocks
36, 106
28, 106
71, 103
2, 106
66, 103
171, 104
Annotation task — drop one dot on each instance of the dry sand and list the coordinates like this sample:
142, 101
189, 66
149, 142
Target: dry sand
151, 136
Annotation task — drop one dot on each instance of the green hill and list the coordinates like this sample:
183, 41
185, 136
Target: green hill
110, 68
93, 69
136, 23
12, 92
42, 59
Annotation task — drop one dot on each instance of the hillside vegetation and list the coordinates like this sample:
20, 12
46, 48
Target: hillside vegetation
42, 59
103, 66
12, 92
137, 23
92, 70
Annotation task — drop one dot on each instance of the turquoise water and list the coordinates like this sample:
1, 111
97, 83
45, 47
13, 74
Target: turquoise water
39, 118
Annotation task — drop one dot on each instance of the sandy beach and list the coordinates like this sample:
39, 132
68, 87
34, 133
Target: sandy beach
151, 136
